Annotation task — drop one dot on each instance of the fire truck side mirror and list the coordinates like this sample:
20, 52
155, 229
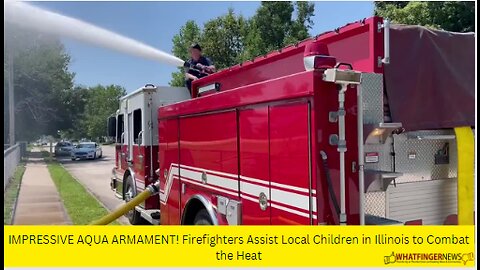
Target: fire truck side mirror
112, 126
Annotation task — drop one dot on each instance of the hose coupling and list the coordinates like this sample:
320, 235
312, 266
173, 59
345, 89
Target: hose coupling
154, 188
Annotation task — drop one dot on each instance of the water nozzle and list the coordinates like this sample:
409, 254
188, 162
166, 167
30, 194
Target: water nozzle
187, 64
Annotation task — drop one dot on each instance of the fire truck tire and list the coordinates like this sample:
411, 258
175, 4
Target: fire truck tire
130, 192
202, 218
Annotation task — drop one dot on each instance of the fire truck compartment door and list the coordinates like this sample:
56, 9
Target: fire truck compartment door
289, 164
254, 166
169, 172
209, 155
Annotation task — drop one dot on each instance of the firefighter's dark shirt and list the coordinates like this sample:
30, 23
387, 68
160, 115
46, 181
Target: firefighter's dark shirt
204, 61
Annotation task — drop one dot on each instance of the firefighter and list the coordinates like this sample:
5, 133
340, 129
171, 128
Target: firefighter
199, 65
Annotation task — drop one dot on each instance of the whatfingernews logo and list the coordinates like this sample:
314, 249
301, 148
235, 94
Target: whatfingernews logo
428, 258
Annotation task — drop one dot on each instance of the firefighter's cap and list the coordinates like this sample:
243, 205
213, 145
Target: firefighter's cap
196, 46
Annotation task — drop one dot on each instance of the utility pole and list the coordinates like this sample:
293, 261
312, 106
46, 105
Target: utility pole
11, 105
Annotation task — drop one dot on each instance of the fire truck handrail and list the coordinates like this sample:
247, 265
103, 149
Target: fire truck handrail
361, 154
140, 138
386, 42
145, 88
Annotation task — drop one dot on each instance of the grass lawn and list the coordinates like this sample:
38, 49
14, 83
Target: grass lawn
11, 193
81, 206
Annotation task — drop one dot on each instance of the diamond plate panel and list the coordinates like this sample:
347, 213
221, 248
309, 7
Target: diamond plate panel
384, 164
415, 158
375, 203
372, 92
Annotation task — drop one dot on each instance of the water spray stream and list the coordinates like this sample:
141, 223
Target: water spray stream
49, 22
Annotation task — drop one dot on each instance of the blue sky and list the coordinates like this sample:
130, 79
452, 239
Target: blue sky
155, 23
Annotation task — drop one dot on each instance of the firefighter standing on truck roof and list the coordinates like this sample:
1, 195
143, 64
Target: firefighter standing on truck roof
200, 66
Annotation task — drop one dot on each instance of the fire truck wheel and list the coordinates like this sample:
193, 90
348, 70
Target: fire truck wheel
202, 218
132, 215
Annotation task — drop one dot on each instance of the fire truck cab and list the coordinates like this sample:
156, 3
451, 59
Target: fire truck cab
303, 135
135, 129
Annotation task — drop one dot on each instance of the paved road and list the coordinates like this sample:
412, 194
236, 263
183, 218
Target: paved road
95, 176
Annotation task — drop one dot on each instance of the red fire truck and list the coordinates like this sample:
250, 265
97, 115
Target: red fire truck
314, 133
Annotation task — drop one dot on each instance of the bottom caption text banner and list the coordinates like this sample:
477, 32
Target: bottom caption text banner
203, 246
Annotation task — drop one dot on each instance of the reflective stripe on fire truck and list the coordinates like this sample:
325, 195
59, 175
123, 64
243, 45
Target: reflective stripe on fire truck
291, 199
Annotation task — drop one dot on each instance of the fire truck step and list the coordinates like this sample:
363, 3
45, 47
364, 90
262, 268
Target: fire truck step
155, 215
376, 220
152, 215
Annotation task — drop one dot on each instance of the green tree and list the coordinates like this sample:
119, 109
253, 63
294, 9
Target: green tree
223, 39
178, 78
230, 39
273, 26
102, 101
41, 82
446, 15
76, 101
269, 28
46, 102
303, 22
189, 33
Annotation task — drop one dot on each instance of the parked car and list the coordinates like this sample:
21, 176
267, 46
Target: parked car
87, 150
63, 148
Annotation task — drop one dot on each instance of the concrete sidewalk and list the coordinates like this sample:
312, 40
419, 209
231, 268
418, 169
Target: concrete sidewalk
38, 202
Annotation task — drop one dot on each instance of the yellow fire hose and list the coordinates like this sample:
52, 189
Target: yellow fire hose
466, 180
149, 191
